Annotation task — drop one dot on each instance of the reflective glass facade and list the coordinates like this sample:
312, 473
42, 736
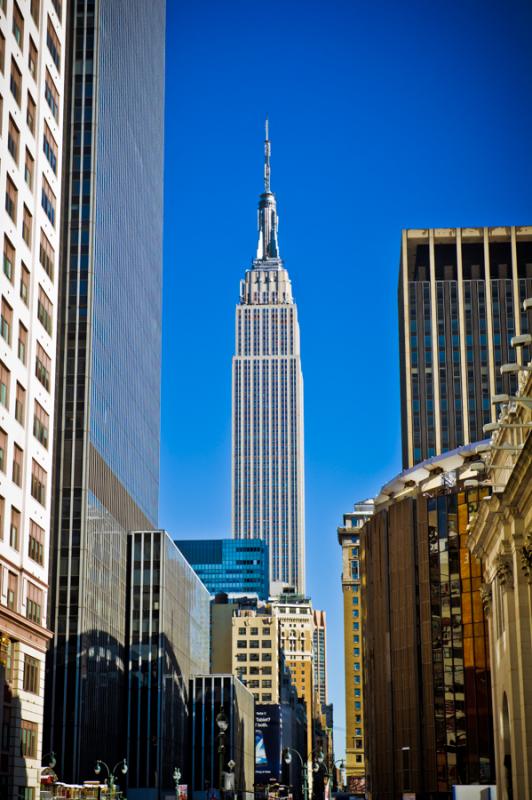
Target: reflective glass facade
168, 642
107, 419
229, 565
425, 637
460, 657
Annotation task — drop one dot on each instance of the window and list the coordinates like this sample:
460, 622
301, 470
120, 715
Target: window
3, 450
38, 482
18, 26
267, 643
53, 45
20, 404
254, 644
36, 543
24, 283
22, 342
11, 198
32, 59
35, 10
14, 529
51, 95
2, 52
45, 311
15, 81
30, 681
6, 321
49, 147
12, 591
48, 200
41, 424
266, 684
27, 226
31, 114
2, 513
9, 259
46, 256
18, 457
241, 643
4, 385
43, 366
29, 169
254, 631
34, 601
28, 739
241, 656
241, 631
13, 139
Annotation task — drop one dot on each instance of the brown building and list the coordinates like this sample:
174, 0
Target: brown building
501, 534
427, 678
349, 540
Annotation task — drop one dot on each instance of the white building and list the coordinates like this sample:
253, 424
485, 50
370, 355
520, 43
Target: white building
32, 36
267, 442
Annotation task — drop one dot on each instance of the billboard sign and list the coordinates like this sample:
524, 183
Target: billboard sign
268, 728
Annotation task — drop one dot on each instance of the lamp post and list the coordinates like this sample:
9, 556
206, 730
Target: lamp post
52, 761
405, 754
176, 777
223, 724
287, 758
111, 773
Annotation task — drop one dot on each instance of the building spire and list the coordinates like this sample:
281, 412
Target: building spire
268, 247
267, 154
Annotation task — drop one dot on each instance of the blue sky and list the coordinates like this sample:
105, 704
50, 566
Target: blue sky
382, 116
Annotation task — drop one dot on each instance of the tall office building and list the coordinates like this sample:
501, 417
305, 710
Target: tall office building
228, 565
319, 640
460, 302
267, 443
108, 383
349, 540
32, 42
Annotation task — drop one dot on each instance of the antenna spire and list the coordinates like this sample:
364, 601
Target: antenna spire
267, 153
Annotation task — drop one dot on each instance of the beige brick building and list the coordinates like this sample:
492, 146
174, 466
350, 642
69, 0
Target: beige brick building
501, 535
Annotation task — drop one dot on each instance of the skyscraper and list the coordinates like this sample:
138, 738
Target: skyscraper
267, 442
108, 383
461, 294
32, 68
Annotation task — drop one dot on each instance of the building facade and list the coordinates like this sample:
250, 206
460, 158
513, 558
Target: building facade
229, 565
501, 535
319, 643
349, 540
213, 748
167, 644
32, 69
267, 421
108, 384
460, 302
296, 634
428, 707
256, 651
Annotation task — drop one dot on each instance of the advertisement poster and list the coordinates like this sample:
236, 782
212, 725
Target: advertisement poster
267, 743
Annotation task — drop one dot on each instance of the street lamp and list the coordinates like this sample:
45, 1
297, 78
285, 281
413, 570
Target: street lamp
177, 777
111, 773
52, 761
223, 724
287, 758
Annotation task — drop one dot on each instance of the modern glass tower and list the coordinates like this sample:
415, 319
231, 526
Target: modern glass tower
228, 565
267, 442
108, 378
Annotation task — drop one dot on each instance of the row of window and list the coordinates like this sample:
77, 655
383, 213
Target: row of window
41, 424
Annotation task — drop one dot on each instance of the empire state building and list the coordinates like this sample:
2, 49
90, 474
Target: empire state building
268, 497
